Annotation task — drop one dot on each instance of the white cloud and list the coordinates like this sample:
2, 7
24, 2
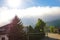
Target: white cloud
7, 14
40, 11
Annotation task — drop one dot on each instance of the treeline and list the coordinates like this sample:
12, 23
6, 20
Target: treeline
39, 27
17, 32
37, 33
53, 29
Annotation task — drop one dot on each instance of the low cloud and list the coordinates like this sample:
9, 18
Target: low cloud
7, 14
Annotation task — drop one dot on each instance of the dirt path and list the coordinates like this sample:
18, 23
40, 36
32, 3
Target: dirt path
52, 36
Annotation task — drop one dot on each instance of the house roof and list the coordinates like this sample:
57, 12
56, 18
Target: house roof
3, 29
6, 28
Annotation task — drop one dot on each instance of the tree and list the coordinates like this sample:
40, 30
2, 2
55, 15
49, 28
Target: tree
40, 26
52, 29
31, 30
16, 30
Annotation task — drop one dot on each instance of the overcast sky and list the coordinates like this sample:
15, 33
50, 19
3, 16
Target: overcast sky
27, 8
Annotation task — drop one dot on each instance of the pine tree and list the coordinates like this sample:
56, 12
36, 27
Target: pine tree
31, 30
16, 31
40, 26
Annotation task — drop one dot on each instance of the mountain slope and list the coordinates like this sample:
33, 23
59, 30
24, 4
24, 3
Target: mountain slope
54, 23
